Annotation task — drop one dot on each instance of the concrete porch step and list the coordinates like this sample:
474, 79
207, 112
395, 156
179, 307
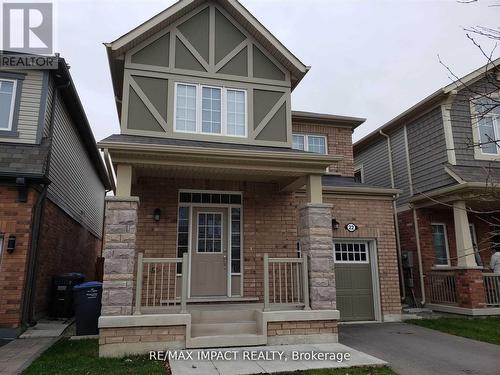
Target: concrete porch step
220, 329
222, 316
224, 341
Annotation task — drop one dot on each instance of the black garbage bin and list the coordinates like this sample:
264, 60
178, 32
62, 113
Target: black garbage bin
87, 307
62, 294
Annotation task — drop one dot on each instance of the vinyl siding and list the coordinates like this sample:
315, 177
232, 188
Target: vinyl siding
427, 149
462, 124
375, 161
75, 185
29, 107
400, 164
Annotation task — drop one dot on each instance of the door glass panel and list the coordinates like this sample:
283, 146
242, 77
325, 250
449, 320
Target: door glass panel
235, 240
209, 232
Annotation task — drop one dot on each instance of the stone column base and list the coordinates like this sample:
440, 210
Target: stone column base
120, 228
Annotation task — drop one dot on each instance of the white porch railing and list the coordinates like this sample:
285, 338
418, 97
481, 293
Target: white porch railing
492, 288
442, 288
285, 282
157, 283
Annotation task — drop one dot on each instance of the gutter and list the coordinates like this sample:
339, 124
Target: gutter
419, 255
395, 218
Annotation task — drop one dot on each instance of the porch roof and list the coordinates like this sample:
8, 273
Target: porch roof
167, 157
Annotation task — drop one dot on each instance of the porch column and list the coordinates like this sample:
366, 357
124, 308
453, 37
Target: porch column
123, 180
465, 251
315, 236
314, 189
120, 228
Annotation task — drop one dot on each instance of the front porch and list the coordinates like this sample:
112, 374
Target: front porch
458, 234
202, 251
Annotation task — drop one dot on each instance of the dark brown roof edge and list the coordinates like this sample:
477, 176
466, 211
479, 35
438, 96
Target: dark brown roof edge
327, 119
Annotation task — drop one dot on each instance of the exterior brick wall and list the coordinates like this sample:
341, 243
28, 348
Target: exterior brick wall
427, 216
339, 141
374, 218
269, 222
64, 246
142, 334
269, 226
306, 327
15, 219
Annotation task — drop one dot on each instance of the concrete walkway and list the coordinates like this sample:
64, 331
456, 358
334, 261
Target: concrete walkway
269, 359
415, 350
18, 354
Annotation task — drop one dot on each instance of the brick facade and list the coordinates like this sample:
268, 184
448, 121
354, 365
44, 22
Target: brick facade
63, 246
269, 226
469, 282
15, 219
139, 340
339, 141
306, 327
375, 221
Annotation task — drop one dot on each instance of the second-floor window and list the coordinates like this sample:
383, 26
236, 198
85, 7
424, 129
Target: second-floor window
488, 113
210, 110
310, 143
7, 99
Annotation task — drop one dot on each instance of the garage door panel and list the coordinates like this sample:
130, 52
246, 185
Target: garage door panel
354, 282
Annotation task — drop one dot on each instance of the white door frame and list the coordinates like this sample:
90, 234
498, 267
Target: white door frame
229, 206
373, 256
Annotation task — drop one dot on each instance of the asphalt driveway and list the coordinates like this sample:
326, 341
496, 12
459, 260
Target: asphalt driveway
413, 350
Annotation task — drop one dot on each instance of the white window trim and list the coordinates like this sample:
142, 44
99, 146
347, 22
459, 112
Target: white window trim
367, 252
476, 132
12, 103
446, 246
221, 252
224, 114
360, 168
306, 141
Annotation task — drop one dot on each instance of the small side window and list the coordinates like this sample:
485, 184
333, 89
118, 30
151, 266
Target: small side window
7, 102
358, 174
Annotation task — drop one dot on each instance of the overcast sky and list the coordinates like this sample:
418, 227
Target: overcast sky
371, 59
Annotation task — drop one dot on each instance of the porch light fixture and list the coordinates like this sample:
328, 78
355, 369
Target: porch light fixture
335, 224
156, 214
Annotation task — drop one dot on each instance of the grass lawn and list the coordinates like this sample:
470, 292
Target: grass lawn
80, 357
482, 329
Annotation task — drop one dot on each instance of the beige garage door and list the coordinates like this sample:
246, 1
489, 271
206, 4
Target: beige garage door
353, 276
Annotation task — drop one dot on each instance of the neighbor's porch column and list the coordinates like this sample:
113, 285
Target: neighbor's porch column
315, 237
465, 251
469, 277
120, 227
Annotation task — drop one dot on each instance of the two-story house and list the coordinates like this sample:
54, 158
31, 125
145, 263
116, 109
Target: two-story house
226, 228
52, 187
444, 155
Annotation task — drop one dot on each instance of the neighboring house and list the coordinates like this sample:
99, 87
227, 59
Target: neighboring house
444, 154
52, 188
220, 233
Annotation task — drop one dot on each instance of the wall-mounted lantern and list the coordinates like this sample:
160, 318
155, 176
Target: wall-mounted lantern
335, 224
11, 244
157, 214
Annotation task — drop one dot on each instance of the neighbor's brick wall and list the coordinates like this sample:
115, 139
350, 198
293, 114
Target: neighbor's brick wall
269, 222
306, 327
339, 141
142, 334
15, 219
374, 217
426, 216
64, 246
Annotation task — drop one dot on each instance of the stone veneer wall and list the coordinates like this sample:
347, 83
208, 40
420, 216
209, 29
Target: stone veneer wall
315, 236
120, 227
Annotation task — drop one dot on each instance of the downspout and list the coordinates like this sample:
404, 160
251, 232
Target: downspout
395, 218
419, 255
38, 220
